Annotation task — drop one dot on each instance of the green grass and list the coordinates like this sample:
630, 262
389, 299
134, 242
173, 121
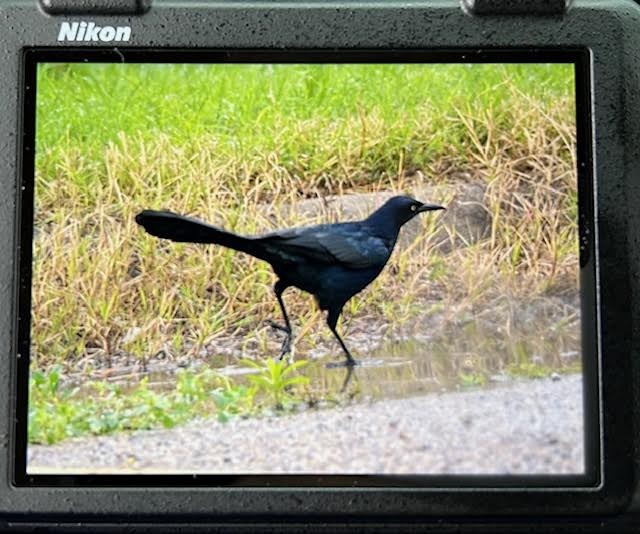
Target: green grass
325, 127
302, 111
57, 413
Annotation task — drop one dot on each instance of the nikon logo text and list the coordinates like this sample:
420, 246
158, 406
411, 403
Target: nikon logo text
89, 31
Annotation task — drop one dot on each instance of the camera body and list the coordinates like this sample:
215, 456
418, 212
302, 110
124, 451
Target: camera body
608, 36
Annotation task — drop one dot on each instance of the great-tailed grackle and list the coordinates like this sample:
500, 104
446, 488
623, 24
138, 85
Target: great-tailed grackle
333, 262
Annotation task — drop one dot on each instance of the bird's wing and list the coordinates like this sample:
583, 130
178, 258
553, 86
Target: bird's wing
348, 244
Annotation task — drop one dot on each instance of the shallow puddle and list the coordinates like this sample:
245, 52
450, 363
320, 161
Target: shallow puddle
466, 354
466, 358
408, 368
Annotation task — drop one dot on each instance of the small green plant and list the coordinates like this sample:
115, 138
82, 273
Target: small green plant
232, 401
528, 369
48, 413
524, 365
469, 380
274, 379
57, 413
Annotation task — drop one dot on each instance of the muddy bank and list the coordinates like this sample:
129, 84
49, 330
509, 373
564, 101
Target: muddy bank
427, 353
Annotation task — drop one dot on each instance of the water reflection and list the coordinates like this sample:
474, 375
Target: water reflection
471, 354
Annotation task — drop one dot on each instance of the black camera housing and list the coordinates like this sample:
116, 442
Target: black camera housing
605, 35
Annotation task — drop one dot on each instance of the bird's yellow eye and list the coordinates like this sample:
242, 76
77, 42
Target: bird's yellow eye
414, 207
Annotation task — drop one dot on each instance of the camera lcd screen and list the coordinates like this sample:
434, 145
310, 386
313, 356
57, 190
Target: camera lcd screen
355, 266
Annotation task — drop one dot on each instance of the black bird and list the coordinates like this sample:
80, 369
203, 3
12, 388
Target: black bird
333, 262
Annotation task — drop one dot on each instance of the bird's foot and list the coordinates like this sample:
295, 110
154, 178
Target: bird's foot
286, 346
286, 349
277, 326
345, 363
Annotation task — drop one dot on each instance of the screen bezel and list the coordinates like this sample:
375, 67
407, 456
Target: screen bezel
580, 58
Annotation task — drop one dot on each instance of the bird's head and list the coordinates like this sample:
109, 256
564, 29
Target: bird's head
398, 210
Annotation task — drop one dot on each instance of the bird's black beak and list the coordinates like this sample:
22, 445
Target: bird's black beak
430, 207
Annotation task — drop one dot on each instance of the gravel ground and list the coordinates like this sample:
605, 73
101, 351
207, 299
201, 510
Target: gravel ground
523, 427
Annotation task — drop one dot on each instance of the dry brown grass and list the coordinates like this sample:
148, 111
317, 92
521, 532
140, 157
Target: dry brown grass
103, 287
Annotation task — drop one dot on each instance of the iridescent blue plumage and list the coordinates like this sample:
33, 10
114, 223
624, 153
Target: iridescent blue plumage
333, 262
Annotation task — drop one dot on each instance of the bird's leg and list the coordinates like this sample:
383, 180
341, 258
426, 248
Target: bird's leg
332, 321
279, 288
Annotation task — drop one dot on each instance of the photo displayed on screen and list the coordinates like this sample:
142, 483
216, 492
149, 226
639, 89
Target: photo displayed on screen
305, 268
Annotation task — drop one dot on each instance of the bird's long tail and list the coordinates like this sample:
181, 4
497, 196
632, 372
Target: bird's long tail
168, 225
